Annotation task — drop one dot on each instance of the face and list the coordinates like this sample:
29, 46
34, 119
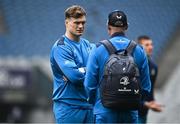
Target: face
148, 46
75, 27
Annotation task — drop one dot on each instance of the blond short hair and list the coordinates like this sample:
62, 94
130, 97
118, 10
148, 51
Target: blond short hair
74, 11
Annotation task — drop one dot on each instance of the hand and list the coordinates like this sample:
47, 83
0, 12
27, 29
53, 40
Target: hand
154, 106
82, 69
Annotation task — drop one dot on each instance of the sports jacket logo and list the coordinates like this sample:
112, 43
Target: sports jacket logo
124, 80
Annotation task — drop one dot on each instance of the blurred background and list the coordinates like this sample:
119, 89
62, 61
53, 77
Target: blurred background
28, 29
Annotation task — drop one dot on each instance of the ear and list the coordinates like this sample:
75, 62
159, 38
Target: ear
66, 22
109, 29
126, 27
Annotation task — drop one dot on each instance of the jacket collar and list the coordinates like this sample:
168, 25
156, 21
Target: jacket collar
118, 34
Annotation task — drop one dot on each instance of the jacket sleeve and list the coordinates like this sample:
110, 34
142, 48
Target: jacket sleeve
143, 66
145, 80
144, 75
91, 78
63, 56
142, 62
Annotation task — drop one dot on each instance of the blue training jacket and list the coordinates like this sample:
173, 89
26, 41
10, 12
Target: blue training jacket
95, 69
66, 58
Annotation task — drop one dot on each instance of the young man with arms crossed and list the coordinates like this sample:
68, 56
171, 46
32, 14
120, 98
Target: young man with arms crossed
68, 59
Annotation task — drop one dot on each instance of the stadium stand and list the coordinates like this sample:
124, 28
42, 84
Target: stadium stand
35, 24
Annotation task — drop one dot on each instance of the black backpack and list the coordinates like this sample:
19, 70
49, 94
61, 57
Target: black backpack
120, 86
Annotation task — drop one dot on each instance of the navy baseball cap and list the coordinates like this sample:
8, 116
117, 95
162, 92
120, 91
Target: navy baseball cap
117, 19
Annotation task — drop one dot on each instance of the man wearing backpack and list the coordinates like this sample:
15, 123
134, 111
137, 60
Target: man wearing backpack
114, 79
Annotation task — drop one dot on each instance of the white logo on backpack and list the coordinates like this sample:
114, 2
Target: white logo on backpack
124, 80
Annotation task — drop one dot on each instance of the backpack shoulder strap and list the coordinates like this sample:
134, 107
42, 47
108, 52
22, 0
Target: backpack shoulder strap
109, 46
131, 47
